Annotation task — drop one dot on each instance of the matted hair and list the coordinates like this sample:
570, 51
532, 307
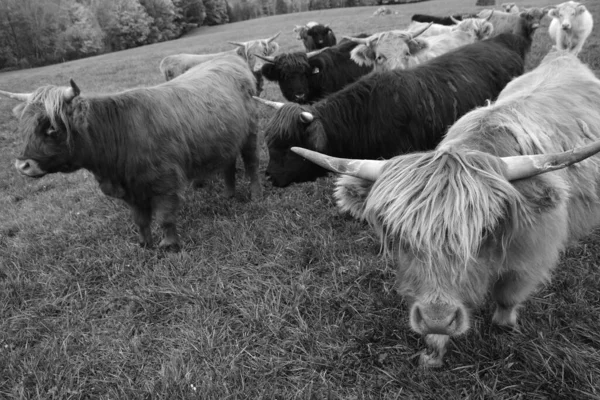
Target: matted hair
441, 205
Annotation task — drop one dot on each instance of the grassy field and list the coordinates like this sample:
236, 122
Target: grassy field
279, 299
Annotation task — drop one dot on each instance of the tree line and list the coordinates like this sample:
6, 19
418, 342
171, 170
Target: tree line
41, 32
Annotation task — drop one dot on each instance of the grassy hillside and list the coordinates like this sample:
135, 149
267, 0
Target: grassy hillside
278, 299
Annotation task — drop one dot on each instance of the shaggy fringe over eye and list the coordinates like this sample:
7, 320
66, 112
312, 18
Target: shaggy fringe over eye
52, 99
281, 128
438, 205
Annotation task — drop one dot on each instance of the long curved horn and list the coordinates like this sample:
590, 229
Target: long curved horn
17, 96
239, 44
454, 19
268, 59
269, 40
315, 52
413, 35
275, 104
490, 16
521, 167
358, 40
306, 117
71, 92
365, 169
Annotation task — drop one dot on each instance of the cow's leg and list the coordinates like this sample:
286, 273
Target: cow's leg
142, 216
229, 174
251, 160
166, 208
509, 291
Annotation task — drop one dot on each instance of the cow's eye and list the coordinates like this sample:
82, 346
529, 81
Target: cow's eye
316, 70
381, 58
51, 131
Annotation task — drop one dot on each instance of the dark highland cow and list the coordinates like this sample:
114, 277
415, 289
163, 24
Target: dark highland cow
388, 113
308, 77
315, 36
144, 145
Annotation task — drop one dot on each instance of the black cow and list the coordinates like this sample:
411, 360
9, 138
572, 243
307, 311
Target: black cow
388, 113
441, 20
315, 36
308, 77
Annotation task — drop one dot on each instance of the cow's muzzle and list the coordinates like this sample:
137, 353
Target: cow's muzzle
29, 168
439, 319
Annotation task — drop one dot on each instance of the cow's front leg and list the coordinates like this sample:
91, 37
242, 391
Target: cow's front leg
142, 216
166, 208
229, 174
433, 356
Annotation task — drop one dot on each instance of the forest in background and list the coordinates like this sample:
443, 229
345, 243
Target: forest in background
40, 32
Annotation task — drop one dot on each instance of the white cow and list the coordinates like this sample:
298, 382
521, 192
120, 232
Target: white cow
572, 23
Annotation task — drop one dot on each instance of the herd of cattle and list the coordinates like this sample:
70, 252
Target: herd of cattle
460, 196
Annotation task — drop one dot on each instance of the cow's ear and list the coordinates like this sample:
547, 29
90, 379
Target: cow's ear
269, 71
351, 195
553, 12
363, 55
331, 36
417, 45
18, 110
316, 66
580, 9
486, 30
316, 138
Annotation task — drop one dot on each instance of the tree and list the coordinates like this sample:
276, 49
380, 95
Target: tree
281, 7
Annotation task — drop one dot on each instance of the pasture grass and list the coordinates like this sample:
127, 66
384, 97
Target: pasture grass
285, 298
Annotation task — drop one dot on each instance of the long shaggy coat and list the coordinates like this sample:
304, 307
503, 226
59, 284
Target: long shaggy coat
145, 144
388, 113
457, 228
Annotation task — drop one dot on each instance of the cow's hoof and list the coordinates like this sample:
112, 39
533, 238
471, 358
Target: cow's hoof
169, 245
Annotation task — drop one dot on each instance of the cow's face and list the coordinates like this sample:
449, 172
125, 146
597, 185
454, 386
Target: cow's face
534, 16
46, 149
394, 49
291, 71
322, 36
478, 28
444, 261
261, 47
286, 129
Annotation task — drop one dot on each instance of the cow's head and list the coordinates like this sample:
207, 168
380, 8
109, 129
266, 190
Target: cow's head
322, 36
389, 50
534, 15
478, 28
44, 123
315, 35
417, 203
566, 12
292, 71
263, 47
511, 8
292, 125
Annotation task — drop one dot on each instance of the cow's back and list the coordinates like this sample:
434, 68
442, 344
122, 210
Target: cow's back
550, 109
194, 123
